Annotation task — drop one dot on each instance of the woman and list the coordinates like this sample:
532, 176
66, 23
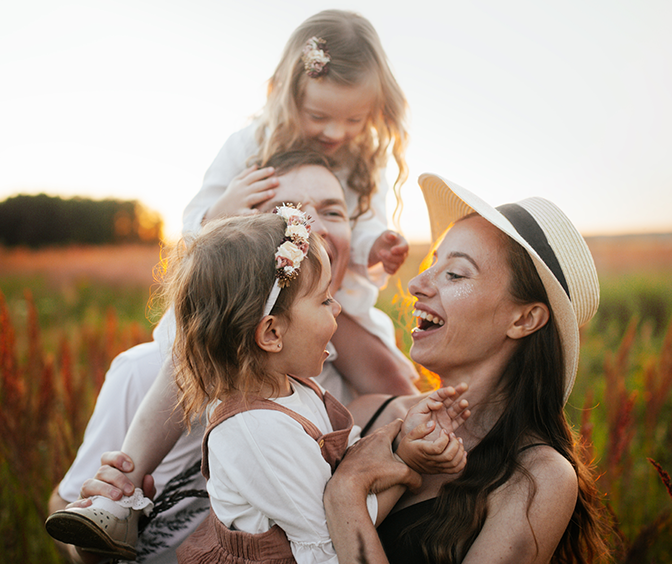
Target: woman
500, 309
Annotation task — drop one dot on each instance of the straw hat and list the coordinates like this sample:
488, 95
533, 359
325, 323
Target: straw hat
560, 254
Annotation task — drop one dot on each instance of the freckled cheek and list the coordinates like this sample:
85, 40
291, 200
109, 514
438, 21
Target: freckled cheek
464, 292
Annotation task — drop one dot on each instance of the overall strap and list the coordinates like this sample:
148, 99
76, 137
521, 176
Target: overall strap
339, 416
233, 406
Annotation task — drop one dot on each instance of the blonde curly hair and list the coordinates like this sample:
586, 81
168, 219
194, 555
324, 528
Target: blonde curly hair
356, 55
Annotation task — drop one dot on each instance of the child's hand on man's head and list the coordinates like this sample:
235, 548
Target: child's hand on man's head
249, 189
391, 249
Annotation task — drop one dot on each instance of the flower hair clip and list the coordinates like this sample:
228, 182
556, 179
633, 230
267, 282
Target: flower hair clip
316, 57
291, 252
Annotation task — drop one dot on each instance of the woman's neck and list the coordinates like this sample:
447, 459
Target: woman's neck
484, 405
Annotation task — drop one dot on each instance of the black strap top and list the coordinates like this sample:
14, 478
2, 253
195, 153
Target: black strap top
375, 416
404, 549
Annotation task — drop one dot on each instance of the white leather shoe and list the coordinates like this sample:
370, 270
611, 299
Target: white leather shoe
105, 527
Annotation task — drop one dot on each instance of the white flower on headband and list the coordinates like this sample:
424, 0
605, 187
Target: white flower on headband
294, 248
290, 214
316, 57
297, 231
288, 257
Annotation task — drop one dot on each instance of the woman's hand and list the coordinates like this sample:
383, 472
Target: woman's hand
370, 465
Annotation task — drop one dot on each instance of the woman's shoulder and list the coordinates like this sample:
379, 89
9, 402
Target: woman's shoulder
528, 515
548, 466
553, 480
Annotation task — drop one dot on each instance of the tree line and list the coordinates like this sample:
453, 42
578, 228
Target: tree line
40, 220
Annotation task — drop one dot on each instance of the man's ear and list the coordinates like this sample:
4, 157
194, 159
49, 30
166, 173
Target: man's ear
531, 318
268, 334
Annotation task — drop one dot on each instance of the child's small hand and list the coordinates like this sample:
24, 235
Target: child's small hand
443, 406
250, 188
444, 454
391, 249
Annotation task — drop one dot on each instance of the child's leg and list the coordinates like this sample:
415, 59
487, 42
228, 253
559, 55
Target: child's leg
156, 426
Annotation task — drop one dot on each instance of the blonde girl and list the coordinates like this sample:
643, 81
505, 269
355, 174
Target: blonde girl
332, 92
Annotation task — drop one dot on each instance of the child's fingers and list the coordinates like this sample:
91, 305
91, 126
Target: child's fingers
442, 394
421, 431
241, 175
461, 418
454, 456
400, 248
458, 412
439, 445
256, 198
450, 393
253, 174
391, 237
453, 447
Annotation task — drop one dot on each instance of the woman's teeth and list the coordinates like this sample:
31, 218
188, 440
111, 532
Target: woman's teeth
428, 317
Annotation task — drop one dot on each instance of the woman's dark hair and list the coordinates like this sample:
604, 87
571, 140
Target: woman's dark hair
530, 392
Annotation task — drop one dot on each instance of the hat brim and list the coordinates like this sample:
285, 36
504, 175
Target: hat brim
447, 202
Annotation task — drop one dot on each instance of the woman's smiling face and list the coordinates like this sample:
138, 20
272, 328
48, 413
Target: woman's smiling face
463, 305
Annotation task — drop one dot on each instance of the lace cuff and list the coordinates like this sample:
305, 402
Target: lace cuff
120, 508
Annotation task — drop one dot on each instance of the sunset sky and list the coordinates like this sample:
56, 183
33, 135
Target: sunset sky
132, 99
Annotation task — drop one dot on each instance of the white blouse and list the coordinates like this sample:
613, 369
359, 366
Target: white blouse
265, 470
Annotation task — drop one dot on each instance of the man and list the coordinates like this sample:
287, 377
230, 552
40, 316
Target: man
303, 178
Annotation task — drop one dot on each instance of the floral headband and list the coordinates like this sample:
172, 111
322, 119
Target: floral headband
291, 252
316, 57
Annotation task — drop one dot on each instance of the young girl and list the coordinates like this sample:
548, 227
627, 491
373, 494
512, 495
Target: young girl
254, 315
332, 92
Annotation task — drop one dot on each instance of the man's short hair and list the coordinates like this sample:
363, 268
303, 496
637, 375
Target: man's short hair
289, 160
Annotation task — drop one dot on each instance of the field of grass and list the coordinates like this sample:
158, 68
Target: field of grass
65, 313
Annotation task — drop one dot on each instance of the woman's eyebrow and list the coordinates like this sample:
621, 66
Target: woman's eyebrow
457, 254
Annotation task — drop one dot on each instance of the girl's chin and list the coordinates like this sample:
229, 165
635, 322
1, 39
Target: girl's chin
329, 149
